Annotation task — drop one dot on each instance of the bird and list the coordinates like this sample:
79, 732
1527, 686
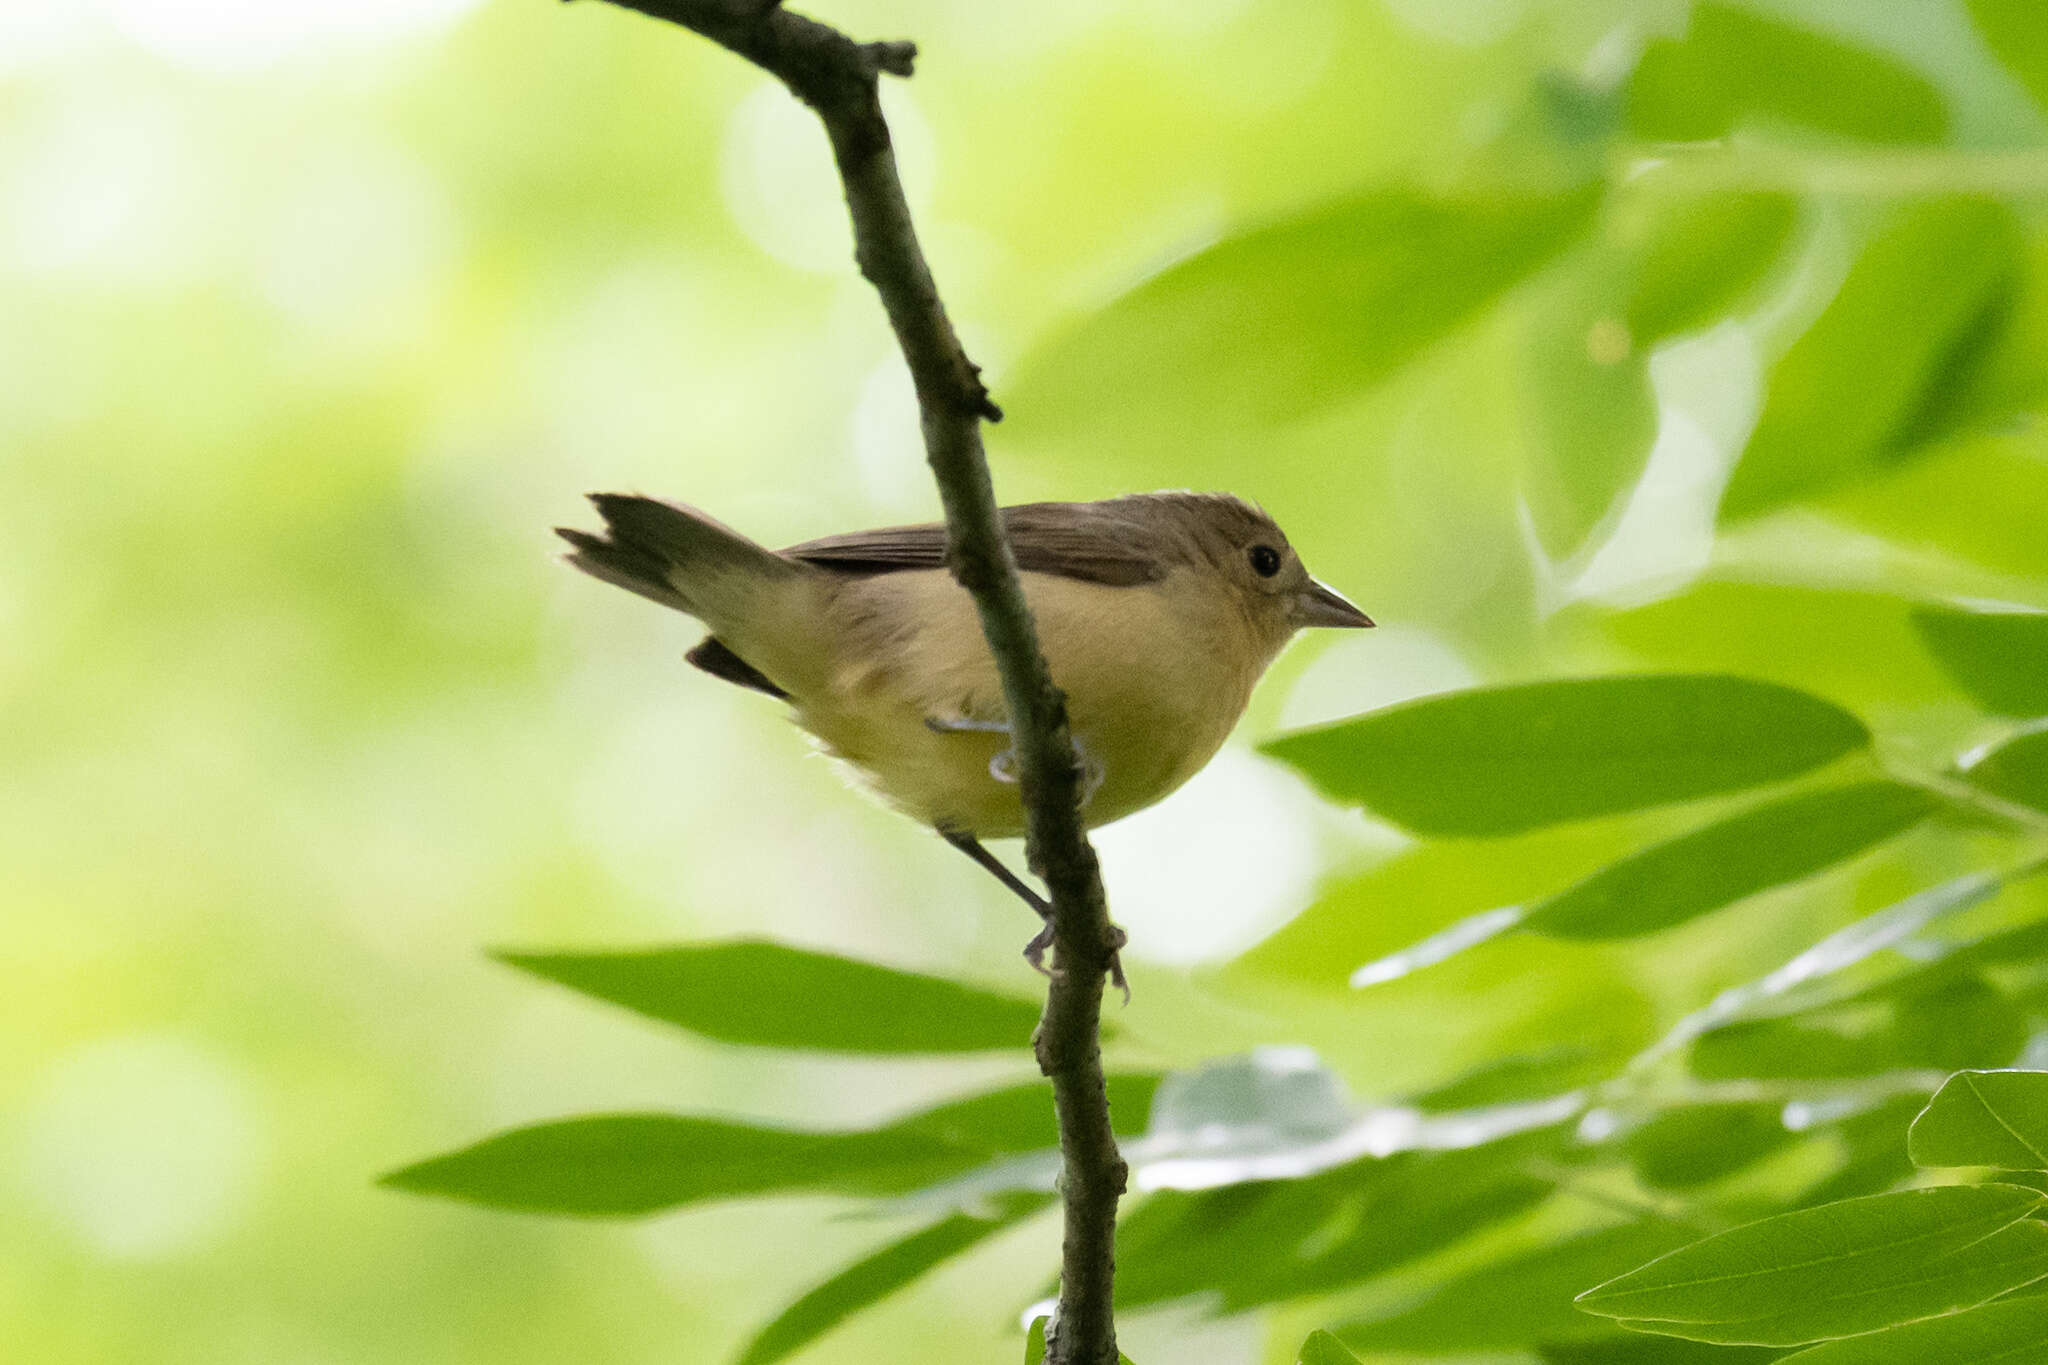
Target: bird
1157, 614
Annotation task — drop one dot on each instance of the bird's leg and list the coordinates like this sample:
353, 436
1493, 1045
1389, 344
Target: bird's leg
1003, 766
1035, 950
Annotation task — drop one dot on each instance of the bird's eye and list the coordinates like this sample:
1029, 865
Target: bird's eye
1265, 560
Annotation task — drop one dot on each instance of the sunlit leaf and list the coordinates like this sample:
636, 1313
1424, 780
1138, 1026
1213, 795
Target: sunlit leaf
1837, 1270
1295, 316
1323, 1349
1698, 255
2014, 30
1999, 656
1765, 846
1628, 1348
1985, 1118
1527, 1297
876, 1276
1385, 908
1941, 1025
774, 995
1735, 66
623, 1164
1858, 648
618, 1164
1903, 331
1982, 499
2009, 1332
1697, 1143
1506, 759
2016, 770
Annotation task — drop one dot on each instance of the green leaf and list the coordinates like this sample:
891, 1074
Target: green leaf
873, 1278
1768, 845
1999, 656
2016, 770
1696, 1144
1664, 264
1527, 1297
773, 995
1698, 256
1734, 66
1985, 1118
1020, 1118
1323, 1349
1942, 1023
625, 1164
2014, 30
1627, 1348
1902, 333
1502, 760
1837, 1270
2009, 1332
1385, 908
1983, 499
1857, 648
1286, 319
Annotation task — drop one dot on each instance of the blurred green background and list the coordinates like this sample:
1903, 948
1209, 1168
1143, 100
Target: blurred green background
315, 318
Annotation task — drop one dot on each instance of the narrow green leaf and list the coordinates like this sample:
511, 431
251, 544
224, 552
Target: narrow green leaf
2015, 32
1695, 1144
1020, 1118
1323, 1349
1837, 1270
773, 995
2016, 770
1419, 891
1856, 648
1526, 1297
1942, 1024
1506, 759
625, 1164
1289, 318
1985, 1118
1982, 498
2009, 1332
874, 1277
1769, 845
1735, 66
1628, 1348
1903, 331
1699, 255
1999, 656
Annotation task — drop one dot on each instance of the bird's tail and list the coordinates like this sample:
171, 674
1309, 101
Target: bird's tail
676, 556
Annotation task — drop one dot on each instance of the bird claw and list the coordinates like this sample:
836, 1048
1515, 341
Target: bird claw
1035, 950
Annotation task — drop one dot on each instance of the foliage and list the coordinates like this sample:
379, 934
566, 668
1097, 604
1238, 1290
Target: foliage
1667, 378
1906, 888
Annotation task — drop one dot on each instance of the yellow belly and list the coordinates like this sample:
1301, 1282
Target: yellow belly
1152, 692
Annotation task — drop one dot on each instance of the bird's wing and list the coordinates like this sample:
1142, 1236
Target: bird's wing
1085, 541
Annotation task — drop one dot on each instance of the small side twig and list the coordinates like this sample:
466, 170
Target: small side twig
839, 79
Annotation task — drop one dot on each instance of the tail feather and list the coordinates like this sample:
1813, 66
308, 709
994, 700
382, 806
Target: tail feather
670, 554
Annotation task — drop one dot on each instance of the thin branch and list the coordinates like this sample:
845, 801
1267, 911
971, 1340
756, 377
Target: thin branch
839, 79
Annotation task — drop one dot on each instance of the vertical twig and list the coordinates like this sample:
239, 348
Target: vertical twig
839, 79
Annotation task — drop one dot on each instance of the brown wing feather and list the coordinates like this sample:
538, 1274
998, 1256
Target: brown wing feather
1091, 541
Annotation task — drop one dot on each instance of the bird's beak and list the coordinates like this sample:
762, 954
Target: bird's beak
1321, 605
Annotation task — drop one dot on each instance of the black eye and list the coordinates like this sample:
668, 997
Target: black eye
1265, 560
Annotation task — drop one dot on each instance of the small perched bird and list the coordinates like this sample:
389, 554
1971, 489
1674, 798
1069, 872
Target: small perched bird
1157, 613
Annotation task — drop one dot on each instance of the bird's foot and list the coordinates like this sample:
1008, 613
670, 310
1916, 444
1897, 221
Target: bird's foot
1035, 950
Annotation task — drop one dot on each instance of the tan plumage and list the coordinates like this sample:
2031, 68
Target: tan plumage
1158, 613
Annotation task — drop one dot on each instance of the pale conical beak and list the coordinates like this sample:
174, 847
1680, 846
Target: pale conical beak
1321, 605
